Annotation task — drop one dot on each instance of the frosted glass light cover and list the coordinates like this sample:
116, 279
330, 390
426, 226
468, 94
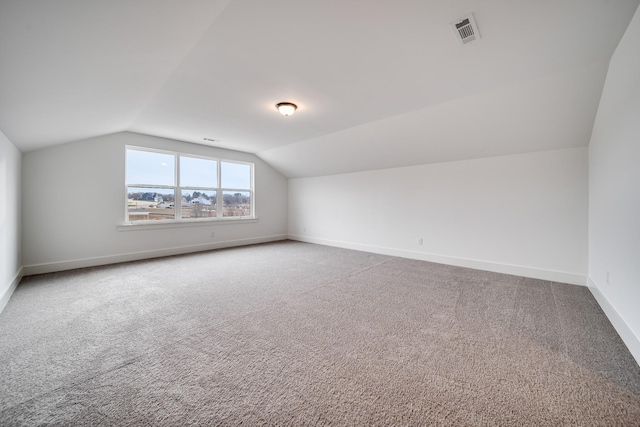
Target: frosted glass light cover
286, 108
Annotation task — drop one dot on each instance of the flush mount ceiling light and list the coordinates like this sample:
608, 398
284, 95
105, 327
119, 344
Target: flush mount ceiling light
286, 108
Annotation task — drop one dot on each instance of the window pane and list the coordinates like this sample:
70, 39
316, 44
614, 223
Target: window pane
235, 175
199, 204
145, 167
236, 203
148, 204
195, 172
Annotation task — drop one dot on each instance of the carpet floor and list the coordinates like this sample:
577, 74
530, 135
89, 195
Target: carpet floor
290, 333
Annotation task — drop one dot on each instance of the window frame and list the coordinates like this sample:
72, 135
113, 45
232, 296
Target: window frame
178, 189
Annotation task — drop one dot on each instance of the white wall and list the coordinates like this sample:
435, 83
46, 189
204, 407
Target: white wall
614, 192
521, 214
10, 207
73, 201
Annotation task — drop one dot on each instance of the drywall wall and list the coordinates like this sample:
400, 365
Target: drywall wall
10, 206
614, 192
73, 202
522, 214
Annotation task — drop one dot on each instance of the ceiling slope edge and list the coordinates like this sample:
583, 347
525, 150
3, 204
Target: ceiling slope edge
552, 112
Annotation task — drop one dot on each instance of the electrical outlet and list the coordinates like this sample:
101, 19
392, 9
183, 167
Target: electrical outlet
607, 277
420, 241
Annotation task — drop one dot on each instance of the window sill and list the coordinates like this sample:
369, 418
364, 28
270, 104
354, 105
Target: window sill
152, 225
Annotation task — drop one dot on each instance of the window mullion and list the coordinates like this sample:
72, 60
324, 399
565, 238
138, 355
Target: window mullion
219, 201
177, 190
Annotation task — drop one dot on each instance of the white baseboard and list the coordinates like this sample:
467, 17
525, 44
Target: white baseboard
536, 273
626, 333
6, 295
135, 256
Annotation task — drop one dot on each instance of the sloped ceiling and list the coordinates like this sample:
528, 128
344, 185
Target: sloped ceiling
378, 83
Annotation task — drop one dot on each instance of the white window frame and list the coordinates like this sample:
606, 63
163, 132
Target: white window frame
177, 189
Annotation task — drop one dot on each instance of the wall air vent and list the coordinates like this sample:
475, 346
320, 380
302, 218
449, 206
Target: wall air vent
465, 29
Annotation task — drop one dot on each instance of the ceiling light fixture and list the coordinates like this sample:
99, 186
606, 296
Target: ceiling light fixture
286, 108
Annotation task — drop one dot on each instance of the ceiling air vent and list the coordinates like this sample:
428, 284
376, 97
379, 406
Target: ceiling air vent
465, 29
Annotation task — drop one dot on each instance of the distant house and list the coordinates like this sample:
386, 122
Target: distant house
200, 200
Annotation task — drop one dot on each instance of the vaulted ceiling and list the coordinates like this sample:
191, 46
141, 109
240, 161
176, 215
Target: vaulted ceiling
378, 83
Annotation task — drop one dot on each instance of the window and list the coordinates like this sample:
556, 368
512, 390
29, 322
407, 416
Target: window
167, 186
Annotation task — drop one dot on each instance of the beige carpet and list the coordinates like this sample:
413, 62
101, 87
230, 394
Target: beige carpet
297, 334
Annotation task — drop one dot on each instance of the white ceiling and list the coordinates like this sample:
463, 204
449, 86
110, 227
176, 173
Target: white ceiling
378, 83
